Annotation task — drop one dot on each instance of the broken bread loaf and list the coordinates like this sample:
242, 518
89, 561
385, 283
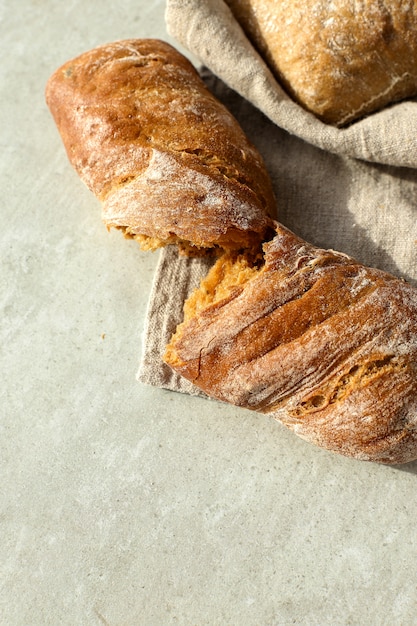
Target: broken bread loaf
340, 60
311, 337
308, 336
166, 159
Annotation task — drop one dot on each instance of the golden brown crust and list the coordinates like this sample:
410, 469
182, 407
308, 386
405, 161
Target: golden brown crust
341, 60
309, 336
318, 341
166, 159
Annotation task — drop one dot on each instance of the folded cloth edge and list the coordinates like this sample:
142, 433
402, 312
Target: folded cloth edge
174, 280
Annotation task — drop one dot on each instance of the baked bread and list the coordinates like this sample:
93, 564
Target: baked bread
340, 60
166, 159
311, 337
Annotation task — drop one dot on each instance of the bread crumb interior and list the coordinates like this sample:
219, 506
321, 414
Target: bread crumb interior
229, 272
185, 248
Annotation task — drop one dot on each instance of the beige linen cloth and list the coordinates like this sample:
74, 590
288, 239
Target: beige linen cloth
352, 189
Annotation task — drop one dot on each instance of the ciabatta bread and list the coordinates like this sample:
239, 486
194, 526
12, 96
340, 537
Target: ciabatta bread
166, 159
313, 338
340, 60
308, 336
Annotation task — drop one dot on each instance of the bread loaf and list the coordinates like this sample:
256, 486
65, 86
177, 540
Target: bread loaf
311, 337
340, 60
166, 159
308, 336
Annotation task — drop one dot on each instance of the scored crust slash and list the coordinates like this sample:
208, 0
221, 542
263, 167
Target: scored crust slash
311, 337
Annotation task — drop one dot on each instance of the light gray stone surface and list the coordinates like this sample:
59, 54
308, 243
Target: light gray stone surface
122, 504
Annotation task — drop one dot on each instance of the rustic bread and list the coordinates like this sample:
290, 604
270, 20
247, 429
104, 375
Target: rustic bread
340, 60
309, 336
167, 160
313, 338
